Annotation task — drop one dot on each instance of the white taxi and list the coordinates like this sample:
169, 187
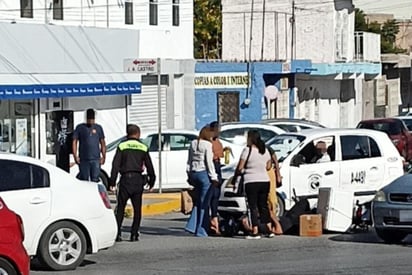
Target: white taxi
362, 161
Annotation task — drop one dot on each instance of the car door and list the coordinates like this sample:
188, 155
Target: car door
307, 176
362, 165
176, 155
26, 190
152, 141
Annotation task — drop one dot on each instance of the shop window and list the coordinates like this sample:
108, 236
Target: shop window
128, 17
58, 9
176, 13
26, 8
153, 12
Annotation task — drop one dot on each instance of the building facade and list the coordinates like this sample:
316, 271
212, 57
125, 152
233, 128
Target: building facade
87, 43
323, 32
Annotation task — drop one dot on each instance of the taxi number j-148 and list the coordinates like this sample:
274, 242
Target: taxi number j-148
358, 177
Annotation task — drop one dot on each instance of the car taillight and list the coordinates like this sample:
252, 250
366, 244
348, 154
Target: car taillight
104, 196
21, 227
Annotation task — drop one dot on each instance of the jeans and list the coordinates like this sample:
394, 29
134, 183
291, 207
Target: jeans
89, 170
215, 192
199, 222
257, 196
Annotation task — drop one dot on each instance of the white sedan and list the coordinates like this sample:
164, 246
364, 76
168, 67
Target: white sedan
63, 218
174, 153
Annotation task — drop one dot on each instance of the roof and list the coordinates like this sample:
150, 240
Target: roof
234, 125
293, 120
388, 119
334, 131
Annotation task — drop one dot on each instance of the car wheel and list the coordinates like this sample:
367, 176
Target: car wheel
280, 209
62, 246
6, 267
390, 236
104, 180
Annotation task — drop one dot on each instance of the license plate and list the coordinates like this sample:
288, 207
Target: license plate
405, 216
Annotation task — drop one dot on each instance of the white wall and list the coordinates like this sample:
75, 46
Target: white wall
329, 106
163, 40
324, 30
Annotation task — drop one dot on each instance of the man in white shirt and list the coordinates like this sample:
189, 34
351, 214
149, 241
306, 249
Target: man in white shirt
322, 152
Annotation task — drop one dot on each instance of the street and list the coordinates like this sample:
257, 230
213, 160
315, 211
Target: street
164, 248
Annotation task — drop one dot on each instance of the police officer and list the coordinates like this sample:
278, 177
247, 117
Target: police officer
131, 158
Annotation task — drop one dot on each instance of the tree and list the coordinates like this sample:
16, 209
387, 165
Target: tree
387, 30
207, 29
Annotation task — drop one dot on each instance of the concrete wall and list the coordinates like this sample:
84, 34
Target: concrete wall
324, 33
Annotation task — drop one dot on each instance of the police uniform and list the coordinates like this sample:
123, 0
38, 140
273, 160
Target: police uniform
130, 160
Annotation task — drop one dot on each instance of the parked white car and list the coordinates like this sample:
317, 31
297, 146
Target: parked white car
236, 132
362, 161
175, 146
63, 218
293, 125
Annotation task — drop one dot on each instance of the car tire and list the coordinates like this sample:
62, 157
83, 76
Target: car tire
104, 180
280, 209
390, 236
62, 246
6, 267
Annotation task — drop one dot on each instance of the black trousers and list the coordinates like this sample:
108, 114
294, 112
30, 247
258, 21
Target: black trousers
130, 187
257, 198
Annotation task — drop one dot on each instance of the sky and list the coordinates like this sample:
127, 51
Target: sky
402, 9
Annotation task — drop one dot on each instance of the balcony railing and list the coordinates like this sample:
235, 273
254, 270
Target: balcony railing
367, 47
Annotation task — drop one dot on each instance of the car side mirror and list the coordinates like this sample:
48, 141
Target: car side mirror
297, 160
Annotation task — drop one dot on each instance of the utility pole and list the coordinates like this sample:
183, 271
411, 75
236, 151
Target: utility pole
292, 39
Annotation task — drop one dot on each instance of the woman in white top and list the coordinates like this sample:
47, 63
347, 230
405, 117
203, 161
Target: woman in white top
255, 161
202, 175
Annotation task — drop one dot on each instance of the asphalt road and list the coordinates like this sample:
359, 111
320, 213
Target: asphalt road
165, 248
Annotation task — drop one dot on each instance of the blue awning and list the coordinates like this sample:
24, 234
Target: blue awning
68, 90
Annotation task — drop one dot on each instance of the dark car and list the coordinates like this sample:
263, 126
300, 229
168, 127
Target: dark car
392, 210
13, 255
397, 131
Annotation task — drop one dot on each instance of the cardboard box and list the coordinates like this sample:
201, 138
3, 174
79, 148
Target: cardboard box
310, 225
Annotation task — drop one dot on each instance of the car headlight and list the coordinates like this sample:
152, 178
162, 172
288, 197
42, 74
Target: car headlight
380, 196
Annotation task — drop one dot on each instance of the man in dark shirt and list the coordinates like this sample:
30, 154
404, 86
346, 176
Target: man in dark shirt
92, 148
131, 160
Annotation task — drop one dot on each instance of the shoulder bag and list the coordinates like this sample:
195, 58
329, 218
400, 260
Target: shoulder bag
239, 178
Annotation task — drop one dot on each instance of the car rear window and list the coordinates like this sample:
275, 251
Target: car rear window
391, 128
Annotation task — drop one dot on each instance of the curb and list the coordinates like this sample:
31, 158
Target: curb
168, 203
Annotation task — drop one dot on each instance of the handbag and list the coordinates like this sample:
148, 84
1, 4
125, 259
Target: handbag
239, 177
187, 201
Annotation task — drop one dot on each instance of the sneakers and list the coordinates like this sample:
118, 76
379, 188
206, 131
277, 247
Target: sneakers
253, 237
271, 235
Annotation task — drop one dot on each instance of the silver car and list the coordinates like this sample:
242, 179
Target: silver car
392, 210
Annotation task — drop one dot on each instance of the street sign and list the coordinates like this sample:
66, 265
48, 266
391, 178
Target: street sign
140, 65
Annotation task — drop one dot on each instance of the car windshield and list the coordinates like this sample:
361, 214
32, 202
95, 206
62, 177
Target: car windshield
408, 123
390, 128
283, 145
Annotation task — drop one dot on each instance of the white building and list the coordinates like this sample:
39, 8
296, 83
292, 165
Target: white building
47, 42
321, 31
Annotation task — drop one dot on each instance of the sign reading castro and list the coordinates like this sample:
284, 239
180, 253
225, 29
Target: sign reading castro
221, 80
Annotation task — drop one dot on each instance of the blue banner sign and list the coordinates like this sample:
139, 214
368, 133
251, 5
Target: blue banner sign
66, 90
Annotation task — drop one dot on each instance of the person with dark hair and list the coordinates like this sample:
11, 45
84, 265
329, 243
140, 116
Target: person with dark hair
131, 159
254, 163
218, 153
202, 175
92, 148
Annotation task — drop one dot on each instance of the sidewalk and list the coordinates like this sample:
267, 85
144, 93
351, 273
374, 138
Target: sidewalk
153, 204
